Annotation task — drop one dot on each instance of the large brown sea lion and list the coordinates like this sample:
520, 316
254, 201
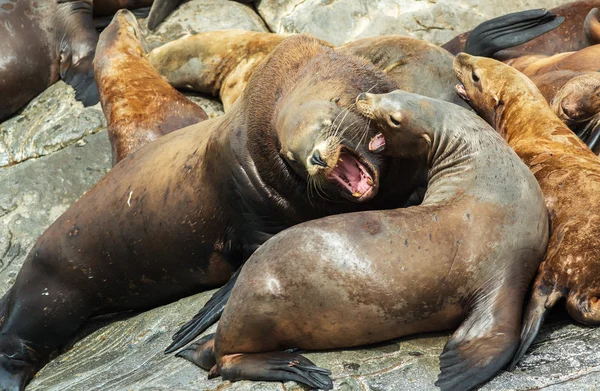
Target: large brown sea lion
43, 41
579, 30
221, 62
569, 175
463, 258
139, 104
182, 213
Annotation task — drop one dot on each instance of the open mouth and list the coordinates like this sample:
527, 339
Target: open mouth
462, 92
377, 143
354, 176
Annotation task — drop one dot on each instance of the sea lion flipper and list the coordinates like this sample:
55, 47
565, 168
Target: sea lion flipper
160, 10
81, 77
274, 366
201, 352
593, 140
207, 316
510, 30
592, 26
481, 346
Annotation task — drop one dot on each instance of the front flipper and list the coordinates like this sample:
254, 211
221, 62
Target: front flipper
208, 315
160, 10
510, 30
80, 76
482, 345
274, 366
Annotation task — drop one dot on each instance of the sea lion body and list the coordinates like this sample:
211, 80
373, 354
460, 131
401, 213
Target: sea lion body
42, 42
584, 60
221, 62
148, 107
182, 213
568, 173
464, 257
580, 29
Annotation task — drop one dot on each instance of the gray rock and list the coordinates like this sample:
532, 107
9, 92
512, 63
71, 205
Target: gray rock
341, 21
50, 122
197, 16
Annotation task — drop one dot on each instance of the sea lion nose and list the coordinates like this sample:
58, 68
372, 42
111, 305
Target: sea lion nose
316, 160
362, 96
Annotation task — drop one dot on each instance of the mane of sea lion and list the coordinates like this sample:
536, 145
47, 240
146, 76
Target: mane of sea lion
463, 258
43, 41
138, 103
221, 62
182, 213
568, 173
580, 29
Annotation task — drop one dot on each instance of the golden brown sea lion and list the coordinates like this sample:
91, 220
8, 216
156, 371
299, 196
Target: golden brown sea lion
463, 258
138, 103
569, 175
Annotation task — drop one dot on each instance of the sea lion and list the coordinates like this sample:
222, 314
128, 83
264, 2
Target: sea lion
580, 29
42, 42
221, 62
569, 175
463, 258
148, 107
183, 212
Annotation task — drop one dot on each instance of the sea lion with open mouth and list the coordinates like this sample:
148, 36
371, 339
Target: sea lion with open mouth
148, 107
181, 214
569, 175
463, 258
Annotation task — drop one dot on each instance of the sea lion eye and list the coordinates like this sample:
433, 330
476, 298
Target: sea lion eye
474, 77
395, 121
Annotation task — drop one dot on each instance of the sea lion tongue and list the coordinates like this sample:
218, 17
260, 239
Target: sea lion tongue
352, 175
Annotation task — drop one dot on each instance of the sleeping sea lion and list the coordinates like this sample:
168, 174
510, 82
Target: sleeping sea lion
181, 214
138, 103
44, 41
569, 175
463, 258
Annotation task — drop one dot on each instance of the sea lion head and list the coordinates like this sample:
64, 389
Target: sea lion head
397, 116
577, 103
487, 84
122, 35
326, 143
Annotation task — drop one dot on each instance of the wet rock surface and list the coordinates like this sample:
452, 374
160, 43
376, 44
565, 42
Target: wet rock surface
54, 150
341, 21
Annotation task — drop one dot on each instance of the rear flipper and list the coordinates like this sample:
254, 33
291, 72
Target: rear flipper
208, 315
201, 352
510, 30
482, 345
18, 363
160, 10
274, 366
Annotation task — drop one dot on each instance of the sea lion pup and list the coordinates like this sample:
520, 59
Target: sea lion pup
463, 258
148, 107
44, 41
221, 62
580, 29
568, 173
182, 213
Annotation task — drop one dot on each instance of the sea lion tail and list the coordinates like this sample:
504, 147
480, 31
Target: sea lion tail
160, 10
208, 315
537, 308
510, 30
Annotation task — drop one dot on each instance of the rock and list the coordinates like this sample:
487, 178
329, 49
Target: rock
36, 192
128, 355
50, 122
341, 21
197, 16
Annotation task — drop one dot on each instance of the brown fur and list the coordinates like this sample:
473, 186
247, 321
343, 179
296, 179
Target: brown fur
569, 175
139, 104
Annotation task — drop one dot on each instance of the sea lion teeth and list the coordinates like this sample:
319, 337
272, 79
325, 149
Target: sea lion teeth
356, 194
369, 181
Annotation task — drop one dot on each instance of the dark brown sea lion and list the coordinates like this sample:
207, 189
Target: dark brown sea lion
569, 175
584, 60
182, 213
139, 104
43, 41
463, 258
580, 29
221, 62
